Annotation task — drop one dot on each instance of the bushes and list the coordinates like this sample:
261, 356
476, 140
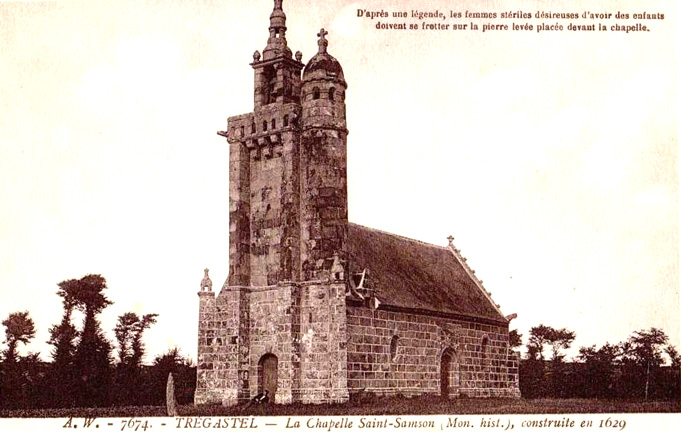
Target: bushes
588, 380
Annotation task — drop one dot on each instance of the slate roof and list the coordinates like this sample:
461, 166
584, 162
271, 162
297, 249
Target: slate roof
413, 274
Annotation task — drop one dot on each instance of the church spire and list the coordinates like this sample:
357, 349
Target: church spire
276, 43
277, 17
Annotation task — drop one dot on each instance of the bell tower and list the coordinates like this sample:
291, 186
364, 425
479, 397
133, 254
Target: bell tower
277, 75
288, 177
264, 184
323, 158
279, 322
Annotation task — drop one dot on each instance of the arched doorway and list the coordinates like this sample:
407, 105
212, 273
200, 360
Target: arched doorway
448, 374
267, 374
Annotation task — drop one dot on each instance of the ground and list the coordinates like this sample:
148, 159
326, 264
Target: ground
380, 406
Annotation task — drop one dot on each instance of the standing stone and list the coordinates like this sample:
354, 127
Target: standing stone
171, 409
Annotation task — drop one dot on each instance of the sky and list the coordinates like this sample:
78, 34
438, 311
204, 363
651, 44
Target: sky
552, 158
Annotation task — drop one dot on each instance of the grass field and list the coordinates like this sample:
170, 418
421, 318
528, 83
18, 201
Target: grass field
379, 406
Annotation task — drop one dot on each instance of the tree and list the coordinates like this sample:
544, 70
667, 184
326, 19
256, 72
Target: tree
674, 356
129, 330
515, 339
542, 336
645, 349
600, 369
532, 384
539, 336
184, 374
19, 328
137, 344
91, 360
124, 334
559, 340
63, 337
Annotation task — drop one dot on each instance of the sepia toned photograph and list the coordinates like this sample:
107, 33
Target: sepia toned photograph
339, 215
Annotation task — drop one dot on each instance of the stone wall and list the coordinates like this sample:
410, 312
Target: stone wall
271, 323
324, 209
264, 196
478, 368
303, 325
217, 378
323, 356
266, 230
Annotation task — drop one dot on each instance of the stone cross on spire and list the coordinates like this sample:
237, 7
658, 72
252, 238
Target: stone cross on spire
322, 42
450, 239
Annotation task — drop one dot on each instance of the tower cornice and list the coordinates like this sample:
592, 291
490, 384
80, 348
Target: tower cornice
285, 60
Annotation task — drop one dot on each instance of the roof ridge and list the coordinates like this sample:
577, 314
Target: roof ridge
398, 235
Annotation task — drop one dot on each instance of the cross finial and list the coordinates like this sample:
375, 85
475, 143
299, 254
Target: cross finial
323, 43
205, 271
450, 239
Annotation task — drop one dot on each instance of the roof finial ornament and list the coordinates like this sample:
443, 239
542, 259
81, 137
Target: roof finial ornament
206, 283
450, 239
322, 42
277, 4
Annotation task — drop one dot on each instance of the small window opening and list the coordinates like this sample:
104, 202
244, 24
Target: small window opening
253, 127
243, 132
394, 344
485, 343
285, 120
315, 93
332, 92
274, 123
264, 126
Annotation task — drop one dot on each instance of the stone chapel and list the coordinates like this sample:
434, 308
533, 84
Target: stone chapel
315, 308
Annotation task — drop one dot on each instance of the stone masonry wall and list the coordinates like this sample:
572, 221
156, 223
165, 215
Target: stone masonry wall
478, 368
270, 333
323, 337
265, 184
264, 196
303, 325
324, 210
218, 348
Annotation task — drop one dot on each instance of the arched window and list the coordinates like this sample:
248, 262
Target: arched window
253, 127
394, 344
332, 93
243, 132
286, 120
274, 123
315, 93
264, 126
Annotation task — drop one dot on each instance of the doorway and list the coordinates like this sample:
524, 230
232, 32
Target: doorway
447, 381
267, 375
